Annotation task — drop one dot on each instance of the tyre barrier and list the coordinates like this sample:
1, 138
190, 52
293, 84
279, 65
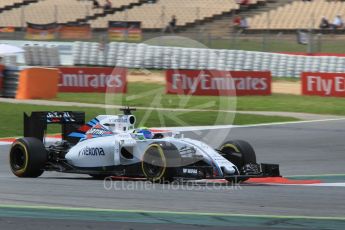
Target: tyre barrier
10, 83
25, 84
131, 55
38, 55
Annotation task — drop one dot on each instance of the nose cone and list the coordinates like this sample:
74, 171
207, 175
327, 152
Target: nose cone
230, 171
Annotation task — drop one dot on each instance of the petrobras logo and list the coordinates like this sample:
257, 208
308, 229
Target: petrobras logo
119, 120
82, 79
88, 151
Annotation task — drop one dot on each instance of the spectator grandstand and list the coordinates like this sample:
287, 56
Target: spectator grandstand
5, 3
207, 20
152, 14
13, 3
48, 11
156, 14
297, 15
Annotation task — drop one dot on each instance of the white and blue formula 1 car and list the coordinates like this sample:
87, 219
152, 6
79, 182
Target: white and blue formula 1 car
110, 145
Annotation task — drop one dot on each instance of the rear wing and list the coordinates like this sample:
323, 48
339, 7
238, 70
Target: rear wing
36, 124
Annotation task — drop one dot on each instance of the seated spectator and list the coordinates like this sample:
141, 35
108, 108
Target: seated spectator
337, 23
107, 5
324, 24
95, 4
236, 22
243, 23
243, 2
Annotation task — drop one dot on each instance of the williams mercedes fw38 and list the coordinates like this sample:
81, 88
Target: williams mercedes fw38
110, 145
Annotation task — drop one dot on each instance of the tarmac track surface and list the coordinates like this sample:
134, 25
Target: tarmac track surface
315, 148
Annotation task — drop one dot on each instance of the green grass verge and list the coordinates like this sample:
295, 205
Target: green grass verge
141, 94
11, 118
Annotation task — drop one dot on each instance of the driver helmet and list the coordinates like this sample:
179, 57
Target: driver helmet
146, 133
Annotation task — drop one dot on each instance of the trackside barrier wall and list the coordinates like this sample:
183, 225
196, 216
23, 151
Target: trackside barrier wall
9, 60
131, 55
38, 83
41, 55
10, 81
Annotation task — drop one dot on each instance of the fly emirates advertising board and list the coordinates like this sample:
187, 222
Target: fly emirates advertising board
218, 83
93, 79
323, 84
190, 82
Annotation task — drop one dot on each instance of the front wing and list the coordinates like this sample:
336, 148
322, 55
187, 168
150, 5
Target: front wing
207, 172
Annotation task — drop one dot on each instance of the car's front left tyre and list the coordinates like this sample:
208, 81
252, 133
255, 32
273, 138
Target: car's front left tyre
240, 153
28, 157
160, 162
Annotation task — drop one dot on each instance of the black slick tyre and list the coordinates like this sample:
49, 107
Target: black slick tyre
28, 157
160, 162
238, 152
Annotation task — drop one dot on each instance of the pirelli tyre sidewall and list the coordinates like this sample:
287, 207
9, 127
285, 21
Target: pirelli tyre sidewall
160, 162
238, 152
27, 157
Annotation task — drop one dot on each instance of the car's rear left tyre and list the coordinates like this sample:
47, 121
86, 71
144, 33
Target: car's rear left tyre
28, 157
160, 162
238, 152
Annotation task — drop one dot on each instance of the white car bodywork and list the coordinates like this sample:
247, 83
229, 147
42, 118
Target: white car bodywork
101, 146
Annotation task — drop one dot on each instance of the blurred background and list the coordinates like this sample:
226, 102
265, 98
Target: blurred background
260, 25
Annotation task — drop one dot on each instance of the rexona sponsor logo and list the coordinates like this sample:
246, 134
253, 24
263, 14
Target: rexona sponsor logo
93, 79
323, 84
215, 82
87, 151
